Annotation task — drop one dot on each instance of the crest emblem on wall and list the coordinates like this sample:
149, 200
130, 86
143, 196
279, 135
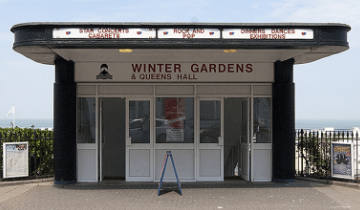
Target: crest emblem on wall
104, 72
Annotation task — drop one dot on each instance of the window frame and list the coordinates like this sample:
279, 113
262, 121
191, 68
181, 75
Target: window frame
128, 119
220, 138
253, 133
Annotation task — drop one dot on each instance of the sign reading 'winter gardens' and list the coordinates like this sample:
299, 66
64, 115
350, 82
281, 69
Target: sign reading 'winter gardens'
174, 72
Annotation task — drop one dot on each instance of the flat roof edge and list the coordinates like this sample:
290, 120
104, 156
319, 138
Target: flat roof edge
160, 24
41, 34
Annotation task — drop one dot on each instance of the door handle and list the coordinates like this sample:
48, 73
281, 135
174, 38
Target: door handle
220, 141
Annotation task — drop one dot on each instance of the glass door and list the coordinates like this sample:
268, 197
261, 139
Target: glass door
174, 131
210, 140
139, 143
86, 140
261, 169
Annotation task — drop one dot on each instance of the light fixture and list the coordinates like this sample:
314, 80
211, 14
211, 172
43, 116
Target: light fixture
125, 50
230, 51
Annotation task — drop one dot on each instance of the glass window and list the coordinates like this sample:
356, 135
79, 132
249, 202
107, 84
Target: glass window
139, 120
85, 120
262, 120
174, 120
210, 122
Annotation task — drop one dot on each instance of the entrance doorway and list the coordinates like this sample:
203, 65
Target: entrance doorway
212, 136
112, 142
236, 138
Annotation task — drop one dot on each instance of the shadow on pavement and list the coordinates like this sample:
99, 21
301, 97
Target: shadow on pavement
121, 184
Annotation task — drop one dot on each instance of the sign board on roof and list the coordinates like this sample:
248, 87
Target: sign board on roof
267, 33
103, 33
189, 33
183, 33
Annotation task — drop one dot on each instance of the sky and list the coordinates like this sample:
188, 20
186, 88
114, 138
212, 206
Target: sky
325, 89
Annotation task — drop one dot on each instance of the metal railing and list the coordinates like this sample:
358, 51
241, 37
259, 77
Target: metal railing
41, 158
313, 150
312, 154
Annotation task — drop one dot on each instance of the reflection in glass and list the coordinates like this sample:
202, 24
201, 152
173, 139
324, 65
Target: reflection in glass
210, 123
139, 120
85, 120
174, 120
262, 120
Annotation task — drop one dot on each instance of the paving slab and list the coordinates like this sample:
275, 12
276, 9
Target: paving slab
293, 195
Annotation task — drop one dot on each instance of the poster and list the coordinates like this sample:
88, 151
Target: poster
15, 159
175, 115
341, 160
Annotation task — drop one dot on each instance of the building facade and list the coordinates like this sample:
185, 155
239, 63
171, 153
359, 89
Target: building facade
219, 96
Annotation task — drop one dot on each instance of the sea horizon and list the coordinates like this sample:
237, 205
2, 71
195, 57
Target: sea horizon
41, 123
299, 123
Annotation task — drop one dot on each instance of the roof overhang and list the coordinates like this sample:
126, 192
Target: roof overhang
38, 42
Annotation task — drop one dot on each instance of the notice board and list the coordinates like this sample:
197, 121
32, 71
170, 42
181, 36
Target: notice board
342, 164
15, 159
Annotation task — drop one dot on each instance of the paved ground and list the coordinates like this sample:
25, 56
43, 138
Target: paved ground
295, 195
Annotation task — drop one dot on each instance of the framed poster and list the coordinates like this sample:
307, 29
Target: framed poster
15, 159
175, 116
342, 164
